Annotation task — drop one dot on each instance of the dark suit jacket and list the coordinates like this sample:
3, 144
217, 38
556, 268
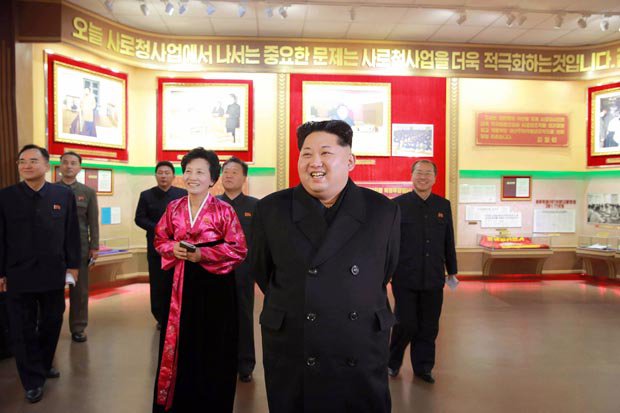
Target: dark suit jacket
151, 206
39, 237
325, 319
426, 242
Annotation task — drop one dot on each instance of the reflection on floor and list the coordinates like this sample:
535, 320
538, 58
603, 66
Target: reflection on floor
503, 347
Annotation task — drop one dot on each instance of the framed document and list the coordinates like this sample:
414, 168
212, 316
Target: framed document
604, 125
516, 188
87, 109
364, 106
412, 140
99, 179
213, 113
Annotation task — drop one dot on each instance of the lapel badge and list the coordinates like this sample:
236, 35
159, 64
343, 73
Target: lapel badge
247, 214
440, 215
81, 198
56, 207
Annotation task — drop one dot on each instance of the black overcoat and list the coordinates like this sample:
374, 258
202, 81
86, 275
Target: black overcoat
326, 319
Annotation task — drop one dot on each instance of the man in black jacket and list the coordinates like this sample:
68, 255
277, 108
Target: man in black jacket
234, 176
151, 206
39, 247
426, 247
323, 253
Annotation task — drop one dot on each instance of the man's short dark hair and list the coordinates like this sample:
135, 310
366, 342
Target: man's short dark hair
166, 164
426, 161
336, 127
72, 154
234, 159
43, 151
207, 155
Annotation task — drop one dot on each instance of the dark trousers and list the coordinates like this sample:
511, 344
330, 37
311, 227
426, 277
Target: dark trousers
34, 344
245, 311
417, 314
160, 283
78, 299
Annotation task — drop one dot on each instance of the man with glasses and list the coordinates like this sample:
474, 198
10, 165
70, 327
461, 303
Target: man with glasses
426, 251
151, 206
39, 250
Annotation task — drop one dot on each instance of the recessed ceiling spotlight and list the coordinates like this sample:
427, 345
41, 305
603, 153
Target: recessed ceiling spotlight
269, 11
582, 22
109, 4
462, 17
241, 10
283, 12
352, 14
557, 21
604, 24
210, 8
510, 19
522, 18
144, 8
169, 8
182, 7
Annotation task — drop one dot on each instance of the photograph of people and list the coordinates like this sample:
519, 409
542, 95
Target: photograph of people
233, 114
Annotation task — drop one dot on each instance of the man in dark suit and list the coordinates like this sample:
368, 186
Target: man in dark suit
234, 175
323, 253
39, 248
426, 251
151, 206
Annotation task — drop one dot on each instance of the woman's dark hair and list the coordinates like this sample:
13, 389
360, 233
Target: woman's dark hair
336, 127
207, 155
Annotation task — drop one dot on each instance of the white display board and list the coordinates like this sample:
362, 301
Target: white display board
480, 194
554, 220
476, 212
502, 220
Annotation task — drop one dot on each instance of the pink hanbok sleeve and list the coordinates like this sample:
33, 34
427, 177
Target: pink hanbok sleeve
224, 257
165, 233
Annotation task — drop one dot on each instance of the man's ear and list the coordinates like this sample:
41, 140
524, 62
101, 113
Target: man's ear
351, 162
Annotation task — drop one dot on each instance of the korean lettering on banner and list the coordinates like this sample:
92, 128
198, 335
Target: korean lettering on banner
87, 31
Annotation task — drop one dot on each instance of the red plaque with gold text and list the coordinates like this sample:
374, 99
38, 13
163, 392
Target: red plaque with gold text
521, 129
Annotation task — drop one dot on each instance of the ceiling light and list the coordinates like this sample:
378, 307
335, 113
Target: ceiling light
604, 25
510, 19
182, 7
144, 8
522, 18
241, 10
352, 14
109, 4
269, 12
283, 12
462, 18
210, 8
582, 22
557, 21
169, 8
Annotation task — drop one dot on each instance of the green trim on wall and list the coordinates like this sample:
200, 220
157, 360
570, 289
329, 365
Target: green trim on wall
150, 170
469, 173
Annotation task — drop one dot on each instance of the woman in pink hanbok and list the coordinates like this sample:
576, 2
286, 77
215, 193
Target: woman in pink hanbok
198, 348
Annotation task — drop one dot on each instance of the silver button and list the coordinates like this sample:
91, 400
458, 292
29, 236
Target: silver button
313, 271
355, 270
353, 315
311, 361
311, 317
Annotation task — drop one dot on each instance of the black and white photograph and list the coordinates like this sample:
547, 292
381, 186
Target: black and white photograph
604, 209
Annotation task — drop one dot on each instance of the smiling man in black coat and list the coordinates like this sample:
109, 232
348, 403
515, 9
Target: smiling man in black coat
323, 253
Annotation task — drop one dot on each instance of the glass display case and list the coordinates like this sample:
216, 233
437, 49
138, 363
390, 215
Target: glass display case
495, 242
113, 246
598, 243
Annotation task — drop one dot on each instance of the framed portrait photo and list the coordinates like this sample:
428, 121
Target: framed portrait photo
516, 188
87, 109
604, 125
213, 113
364, 106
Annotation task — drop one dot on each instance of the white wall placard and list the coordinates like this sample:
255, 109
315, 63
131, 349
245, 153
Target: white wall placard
554, 220
482, 194
475, 212
505, 220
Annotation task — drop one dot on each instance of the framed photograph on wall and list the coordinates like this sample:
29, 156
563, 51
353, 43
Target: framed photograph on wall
364, 106
213, 113
412, 140
99, 179
516, 188
87, 109
604, 125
